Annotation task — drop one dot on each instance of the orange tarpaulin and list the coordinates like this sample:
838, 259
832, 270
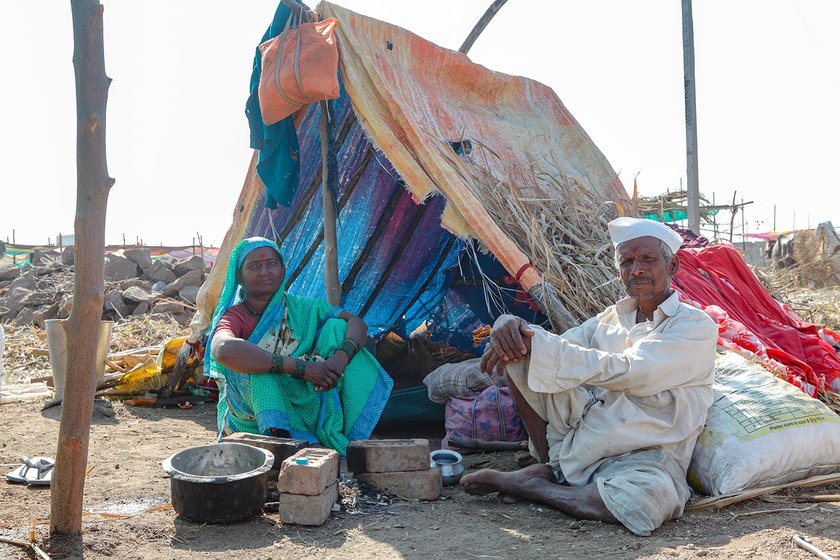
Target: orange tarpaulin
414, 98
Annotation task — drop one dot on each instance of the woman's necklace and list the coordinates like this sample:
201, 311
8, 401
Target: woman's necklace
249, 310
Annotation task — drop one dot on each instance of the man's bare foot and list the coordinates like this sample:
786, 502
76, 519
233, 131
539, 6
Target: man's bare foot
513, 483
536, 484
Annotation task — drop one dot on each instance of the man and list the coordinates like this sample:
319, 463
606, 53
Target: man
612, 407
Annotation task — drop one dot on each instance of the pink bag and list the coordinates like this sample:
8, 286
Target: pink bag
491, 416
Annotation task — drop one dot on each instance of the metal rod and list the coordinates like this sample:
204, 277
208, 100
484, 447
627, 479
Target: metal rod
693, 188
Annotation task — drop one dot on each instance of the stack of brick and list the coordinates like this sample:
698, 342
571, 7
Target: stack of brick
395, 466
281, 448
308, 486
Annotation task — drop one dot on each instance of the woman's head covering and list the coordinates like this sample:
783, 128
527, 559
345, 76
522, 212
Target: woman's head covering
251, 244
625, 229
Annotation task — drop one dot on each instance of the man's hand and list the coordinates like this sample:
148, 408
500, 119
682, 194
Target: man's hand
489, 360
320, 375
510, 338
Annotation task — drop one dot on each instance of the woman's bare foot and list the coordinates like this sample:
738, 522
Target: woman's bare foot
513, 483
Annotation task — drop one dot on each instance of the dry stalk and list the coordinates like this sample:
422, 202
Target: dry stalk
559, 222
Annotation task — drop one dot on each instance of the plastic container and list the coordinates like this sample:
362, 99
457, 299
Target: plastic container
57, 340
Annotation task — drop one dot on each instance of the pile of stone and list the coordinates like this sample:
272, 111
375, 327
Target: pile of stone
135, 285
308, 486
396, 466
306, 479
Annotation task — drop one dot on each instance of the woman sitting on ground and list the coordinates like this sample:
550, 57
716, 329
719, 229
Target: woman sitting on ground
288, 365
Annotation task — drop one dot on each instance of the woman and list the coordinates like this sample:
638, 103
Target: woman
288, 365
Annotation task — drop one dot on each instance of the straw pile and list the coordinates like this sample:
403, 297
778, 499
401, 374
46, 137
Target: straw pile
817, 266
132, 341
557, 221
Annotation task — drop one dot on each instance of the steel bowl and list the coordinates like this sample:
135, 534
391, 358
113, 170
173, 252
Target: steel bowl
450, 464
219, 483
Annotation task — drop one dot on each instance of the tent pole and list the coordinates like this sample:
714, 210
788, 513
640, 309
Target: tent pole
330, 244
482, 23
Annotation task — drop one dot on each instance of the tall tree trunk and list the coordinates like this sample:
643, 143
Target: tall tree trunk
82, 327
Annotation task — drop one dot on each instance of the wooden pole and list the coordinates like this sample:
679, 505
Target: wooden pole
714, 220
743, 228
734, 210
82, 327
330, 243
693, 189
482, 23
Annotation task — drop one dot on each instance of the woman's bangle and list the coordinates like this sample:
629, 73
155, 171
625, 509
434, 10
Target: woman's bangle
276, 363
349, 347
300, 369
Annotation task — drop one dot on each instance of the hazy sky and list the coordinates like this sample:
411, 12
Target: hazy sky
768, 77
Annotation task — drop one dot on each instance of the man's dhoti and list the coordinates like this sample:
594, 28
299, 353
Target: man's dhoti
641, 488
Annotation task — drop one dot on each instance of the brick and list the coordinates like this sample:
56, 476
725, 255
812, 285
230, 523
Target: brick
281, 448
388, 455
307, 510
419, 485
312, 478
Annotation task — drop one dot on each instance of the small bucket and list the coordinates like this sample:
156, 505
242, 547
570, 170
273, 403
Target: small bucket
57, 340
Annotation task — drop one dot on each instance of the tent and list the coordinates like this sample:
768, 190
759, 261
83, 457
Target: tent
428, 149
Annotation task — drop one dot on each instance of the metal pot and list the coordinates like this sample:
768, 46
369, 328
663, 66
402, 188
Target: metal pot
450, 465
219, 483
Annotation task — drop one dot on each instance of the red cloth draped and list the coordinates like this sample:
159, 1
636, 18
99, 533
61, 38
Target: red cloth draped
753, 320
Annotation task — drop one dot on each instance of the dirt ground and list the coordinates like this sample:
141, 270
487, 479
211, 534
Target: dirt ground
126, 478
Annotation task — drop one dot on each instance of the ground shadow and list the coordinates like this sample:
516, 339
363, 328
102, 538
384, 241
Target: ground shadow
103, 413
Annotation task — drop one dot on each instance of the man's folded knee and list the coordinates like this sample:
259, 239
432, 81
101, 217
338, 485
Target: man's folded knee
641, 497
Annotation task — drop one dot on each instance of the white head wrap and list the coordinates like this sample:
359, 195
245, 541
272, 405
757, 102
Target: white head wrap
624, 229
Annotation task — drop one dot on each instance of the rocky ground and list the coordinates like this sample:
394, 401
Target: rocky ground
135, 285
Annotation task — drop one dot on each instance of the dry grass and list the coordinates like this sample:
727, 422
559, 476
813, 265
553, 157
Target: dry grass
557, 221
817, 264
27, 356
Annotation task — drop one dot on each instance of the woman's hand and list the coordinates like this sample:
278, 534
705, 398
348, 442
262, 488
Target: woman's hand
320, 375
337, 362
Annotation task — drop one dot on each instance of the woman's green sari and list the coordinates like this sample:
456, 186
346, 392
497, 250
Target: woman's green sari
258, 402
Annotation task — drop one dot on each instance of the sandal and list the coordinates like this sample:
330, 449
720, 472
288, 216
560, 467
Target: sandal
36, 471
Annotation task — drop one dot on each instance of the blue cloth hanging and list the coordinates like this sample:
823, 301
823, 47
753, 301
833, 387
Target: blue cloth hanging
278, 165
